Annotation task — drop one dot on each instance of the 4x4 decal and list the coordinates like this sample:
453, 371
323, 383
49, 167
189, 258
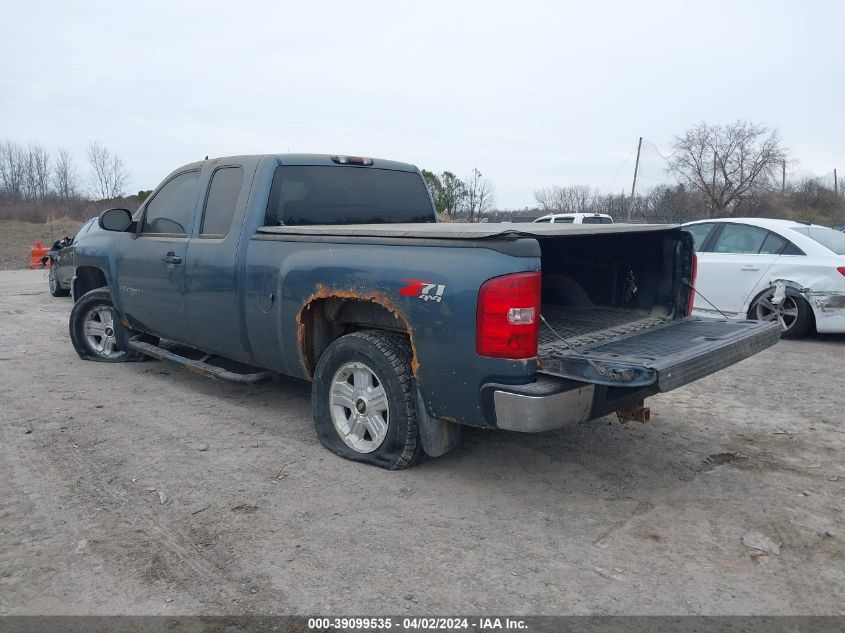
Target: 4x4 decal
425, 290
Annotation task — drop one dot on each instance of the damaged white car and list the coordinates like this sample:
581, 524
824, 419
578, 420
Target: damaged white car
771, 269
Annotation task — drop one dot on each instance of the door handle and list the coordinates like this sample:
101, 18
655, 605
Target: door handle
171, 258
750, 268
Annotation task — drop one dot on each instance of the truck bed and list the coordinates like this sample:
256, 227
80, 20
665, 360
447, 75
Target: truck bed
583, 327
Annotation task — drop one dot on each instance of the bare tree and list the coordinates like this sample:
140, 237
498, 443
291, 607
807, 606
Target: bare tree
37, 180
12, 170
550, 199
574, 199
480, 196
65, 176
728, 163
108, 174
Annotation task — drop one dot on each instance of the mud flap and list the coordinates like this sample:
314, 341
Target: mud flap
121, 333
438, 436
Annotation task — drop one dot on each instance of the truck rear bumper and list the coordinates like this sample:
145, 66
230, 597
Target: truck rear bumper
549, 403
681, 355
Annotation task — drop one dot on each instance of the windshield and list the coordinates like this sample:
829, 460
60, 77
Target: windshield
830, 239
322, 194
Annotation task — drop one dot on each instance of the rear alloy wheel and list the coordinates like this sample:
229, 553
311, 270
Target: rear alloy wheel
358, 405
93, 329
53, 282
793, 313
363, 400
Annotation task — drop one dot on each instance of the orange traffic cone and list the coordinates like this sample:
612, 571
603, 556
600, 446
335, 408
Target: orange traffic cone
36, 254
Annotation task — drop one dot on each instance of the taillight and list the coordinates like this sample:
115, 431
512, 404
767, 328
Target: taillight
841, 270
508, 317
692, 275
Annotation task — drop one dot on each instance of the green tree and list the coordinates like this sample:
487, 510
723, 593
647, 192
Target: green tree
447, 190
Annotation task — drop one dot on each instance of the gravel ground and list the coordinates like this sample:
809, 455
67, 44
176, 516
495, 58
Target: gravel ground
141, 489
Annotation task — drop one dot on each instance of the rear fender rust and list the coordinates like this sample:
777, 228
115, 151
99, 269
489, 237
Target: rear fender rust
303, 333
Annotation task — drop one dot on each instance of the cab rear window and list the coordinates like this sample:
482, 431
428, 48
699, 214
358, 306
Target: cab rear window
322, 194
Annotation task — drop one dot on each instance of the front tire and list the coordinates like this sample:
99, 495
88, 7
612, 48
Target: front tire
363, 400
794, 313
53, 283
92, 329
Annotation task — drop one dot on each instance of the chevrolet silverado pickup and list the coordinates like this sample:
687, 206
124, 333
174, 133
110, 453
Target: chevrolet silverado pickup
335, 270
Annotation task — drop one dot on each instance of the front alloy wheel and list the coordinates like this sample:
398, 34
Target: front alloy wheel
98, 329
93, 329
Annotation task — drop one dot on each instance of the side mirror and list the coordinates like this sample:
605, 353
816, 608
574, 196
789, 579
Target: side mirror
115, 220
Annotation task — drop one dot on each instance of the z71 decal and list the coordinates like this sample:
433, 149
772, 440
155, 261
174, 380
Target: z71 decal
424, 290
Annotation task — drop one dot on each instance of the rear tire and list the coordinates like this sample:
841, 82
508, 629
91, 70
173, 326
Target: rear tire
53, 283
92, 329
363, 400
794, 313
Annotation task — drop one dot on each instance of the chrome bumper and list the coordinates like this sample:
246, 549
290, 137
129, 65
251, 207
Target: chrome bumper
544, 405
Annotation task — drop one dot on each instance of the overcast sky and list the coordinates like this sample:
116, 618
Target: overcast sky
533, 94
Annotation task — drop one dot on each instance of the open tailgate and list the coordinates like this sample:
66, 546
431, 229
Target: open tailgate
666, 356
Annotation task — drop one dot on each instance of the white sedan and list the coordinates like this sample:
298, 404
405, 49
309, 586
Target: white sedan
771, 269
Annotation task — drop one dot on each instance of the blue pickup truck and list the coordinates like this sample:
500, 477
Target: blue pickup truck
335, 270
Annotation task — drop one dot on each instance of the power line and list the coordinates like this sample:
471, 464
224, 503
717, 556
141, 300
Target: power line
618, 170
657, 149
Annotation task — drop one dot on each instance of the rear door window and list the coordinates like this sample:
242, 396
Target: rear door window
774, 244
223, 193
172, 208
740, 239
322, 194
591, 221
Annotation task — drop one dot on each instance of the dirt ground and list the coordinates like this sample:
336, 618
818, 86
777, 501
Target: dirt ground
255, 516
17, 238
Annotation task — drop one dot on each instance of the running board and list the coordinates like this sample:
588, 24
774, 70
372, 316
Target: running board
198, 366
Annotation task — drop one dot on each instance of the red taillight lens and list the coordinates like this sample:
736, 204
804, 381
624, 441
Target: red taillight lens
692, 275
841, 270
508, 317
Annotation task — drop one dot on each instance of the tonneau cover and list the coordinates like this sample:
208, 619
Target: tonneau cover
463, 231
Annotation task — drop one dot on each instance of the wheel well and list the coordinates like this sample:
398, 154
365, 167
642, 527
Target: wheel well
87, 279
325, 319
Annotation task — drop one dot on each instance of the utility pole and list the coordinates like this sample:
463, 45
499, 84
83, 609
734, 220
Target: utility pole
634, 185
713, 187
783, 177
835, 183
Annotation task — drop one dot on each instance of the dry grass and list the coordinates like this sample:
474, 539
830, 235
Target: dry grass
17, 238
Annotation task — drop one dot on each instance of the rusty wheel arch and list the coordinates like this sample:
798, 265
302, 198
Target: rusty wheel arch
332, 312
